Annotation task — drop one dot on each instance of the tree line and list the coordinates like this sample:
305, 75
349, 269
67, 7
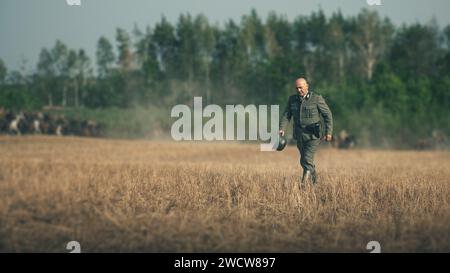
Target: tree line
382, 81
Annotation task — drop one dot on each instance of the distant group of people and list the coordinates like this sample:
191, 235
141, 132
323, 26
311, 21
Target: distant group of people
24, 122
343, 140
436, 139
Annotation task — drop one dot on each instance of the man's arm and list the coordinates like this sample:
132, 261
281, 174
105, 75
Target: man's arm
326, 114
285, 117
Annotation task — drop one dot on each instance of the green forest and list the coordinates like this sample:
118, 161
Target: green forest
388, 85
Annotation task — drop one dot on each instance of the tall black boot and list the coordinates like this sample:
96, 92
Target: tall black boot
306, 176
314, 177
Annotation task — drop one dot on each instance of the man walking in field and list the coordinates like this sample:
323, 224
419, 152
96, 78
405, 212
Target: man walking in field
307, 107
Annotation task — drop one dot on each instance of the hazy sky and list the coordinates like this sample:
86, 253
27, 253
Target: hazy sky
28, 25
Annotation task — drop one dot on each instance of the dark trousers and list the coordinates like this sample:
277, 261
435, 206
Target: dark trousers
307, 147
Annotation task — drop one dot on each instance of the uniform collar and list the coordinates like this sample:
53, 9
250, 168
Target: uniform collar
305, 97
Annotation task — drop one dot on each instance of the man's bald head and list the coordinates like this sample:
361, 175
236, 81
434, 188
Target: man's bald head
302, 86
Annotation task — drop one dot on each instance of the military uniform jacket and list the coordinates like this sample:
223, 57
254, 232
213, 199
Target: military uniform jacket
306, 111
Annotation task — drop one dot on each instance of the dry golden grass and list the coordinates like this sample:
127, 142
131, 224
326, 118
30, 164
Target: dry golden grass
143, 196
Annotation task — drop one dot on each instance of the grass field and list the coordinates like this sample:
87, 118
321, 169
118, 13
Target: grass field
143, 196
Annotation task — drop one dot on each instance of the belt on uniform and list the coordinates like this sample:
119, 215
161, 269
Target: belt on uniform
313, 128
